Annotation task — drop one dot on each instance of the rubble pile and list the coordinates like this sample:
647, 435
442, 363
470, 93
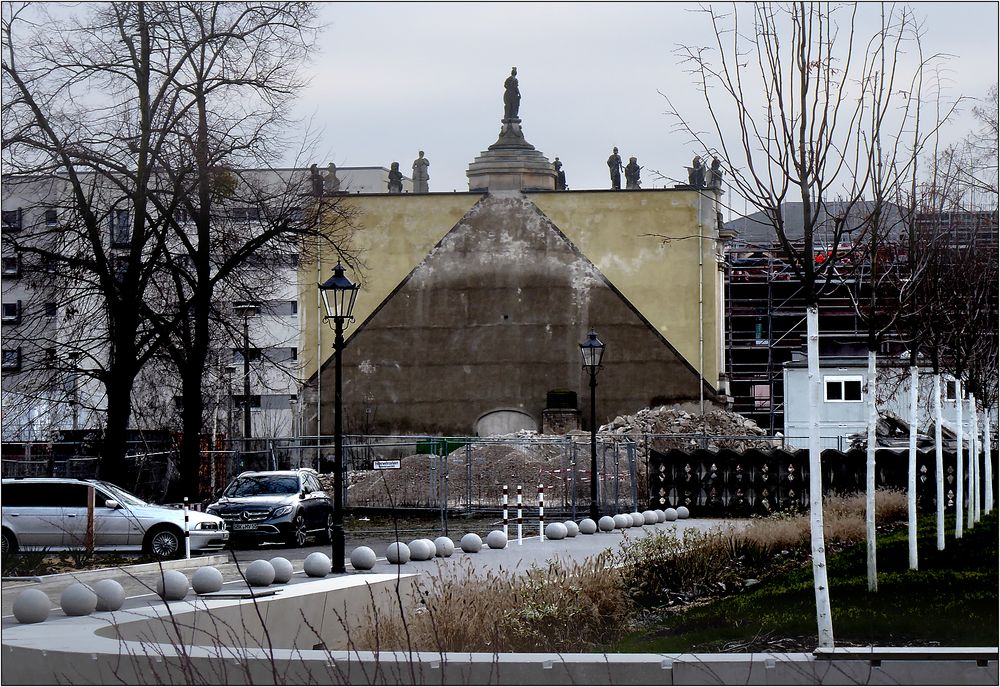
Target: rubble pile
721, 429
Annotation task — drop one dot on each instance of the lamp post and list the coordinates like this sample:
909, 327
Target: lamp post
230, 371
339, 294
246, 311
592, 351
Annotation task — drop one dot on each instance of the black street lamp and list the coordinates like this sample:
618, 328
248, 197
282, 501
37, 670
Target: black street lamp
339, 294
246, 311
592, 351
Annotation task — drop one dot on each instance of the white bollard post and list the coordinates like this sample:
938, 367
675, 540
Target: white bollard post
504, 504
520, 520
959, 463
541, 513
187, 531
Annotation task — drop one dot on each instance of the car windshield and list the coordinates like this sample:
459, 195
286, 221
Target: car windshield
122, 495
256, 485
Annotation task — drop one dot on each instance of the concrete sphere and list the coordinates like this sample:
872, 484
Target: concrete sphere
572, 529
172, 585
669, 515
588, 526
444, 547
317, 564
363, 558
398, 553
555, 530
31, 606
496, 540
206, 580
637, 519
606, 523
471, 543
78, 599
649, 517
622, 521
660, 515
282, 569
260, 573
420, 551
110, 595
683, 513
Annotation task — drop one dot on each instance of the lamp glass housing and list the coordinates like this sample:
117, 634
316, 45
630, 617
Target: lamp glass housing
339, 294
592, 351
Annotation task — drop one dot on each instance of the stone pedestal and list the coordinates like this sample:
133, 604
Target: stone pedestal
511, 164
560, 420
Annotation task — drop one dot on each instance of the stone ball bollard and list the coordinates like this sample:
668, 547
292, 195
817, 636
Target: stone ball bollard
78, 599
260, 573
572, 529
444, 547
606, 523
555, 530
637, 519
362, 558
660, 515
282, 569
317, 564
398, 553
588, 526
683, 513
432, 546
622, 521
172, 585
471, 543
649, 517
670, 514
110, 595
496, 540
420, 550
206, 580
31, 606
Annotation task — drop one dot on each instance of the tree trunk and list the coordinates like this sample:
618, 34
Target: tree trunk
870, 477
115, 441
191, 416
959, 461
911, 473
938, 462
824, 617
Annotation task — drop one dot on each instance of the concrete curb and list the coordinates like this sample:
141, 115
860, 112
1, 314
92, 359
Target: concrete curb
138, 569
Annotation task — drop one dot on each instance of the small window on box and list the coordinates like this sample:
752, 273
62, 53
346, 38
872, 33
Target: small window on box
11, 359
846, 389
11, 267
51, 217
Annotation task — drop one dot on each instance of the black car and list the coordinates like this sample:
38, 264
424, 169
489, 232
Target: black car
285, 505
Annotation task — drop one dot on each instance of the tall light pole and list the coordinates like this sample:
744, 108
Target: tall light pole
246, 311
592, 351
339, 294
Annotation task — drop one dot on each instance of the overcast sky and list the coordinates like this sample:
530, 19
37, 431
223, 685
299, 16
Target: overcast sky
394, 78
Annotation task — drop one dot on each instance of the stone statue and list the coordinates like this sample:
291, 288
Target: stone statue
316, 179
395, 178
331, 184
511, 96
420, 176
632, 175
615, 166
696, 173
560, 175
714, 179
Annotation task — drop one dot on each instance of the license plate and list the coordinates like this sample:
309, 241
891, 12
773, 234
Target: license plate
243, 526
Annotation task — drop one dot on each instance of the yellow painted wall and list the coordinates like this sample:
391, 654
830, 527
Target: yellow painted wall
621, 232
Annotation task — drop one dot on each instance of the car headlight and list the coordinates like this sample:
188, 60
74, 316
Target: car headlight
209, 525
281, 510
211, 510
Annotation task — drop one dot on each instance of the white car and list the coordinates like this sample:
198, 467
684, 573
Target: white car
51, 513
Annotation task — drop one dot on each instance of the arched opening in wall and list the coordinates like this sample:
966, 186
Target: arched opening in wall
504, 421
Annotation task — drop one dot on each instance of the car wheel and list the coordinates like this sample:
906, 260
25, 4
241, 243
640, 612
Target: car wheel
164, 543
326, 535
9, 542
298, 533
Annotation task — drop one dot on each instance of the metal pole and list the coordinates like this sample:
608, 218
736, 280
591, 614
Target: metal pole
503, 502
541, 512
247, 433
594, 509
337, 541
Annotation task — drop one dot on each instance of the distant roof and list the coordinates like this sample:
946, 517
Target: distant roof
756, 229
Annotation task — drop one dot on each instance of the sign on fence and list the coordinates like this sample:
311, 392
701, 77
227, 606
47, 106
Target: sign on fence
385, 465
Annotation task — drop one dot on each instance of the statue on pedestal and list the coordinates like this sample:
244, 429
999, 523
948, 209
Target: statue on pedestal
331, 184
316, 179
420, 175
714, 179
395, 178
632, 175
615, 167
560, 175
696, 173
511, 96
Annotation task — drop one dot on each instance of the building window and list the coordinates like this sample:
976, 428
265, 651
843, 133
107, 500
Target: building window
294, 305
181, 216
51, 217
842, 389
293, 353
121, 228
12, 220
253, 354
761, 396
949, 389
254, 401
50, 358
50, 309
11, 267
11, 312
245, 214
11, 359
